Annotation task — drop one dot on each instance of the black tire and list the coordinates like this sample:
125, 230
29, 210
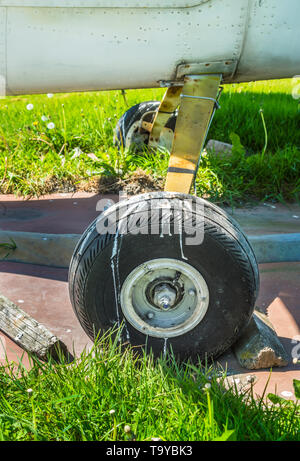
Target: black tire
225, 259
134, 114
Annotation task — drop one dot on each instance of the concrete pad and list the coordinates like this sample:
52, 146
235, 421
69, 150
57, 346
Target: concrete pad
71, 213
268, 218
56, 250
42, 292
279, 298
39, 226
65, 213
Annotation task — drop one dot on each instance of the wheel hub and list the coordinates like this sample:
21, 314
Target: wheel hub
164, 298
164, 292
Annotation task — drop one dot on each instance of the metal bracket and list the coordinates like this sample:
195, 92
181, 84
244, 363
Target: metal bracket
167, 107
169, 83
217, 105
227, 68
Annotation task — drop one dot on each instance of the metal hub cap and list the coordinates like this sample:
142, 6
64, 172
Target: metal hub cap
164, 298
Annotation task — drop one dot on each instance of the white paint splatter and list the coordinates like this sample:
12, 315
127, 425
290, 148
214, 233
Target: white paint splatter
116, 292
181, 246
165, 347
127, 332
114, 260
112, 263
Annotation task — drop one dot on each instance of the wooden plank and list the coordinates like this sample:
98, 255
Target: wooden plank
29, 334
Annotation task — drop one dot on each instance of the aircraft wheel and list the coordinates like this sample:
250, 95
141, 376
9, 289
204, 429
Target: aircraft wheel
127, 132
176, 271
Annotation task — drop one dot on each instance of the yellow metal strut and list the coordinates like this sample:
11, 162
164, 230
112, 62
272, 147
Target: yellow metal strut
167, 107
198, 101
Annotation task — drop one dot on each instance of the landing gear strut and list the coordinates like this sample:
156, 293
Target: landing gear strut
176, 271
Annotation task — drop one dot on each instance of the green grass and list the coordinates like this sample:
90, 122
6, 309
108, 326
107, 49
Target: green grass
108, 388
35, 159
